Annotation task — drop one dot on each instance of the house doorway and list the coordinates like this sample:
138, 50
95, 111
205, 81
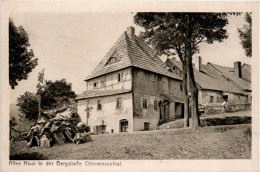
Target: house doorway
179, 110
164, 111
123, 124
225, 97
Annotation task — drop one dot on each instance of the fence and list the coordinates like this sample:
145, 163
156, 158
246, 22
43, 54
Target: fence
213, 109
238, 107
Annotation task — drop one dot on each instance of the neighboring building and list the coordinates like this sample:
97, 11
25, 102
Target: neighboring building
218, 83
130, 90
240, 76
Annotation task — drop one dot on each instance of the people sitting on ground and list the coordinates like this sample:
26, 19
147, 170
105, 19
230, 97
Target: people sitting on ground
36, 133
82, 136
56, 130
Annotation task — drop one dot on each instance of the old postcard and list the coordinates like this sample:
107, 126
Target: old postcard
130, 86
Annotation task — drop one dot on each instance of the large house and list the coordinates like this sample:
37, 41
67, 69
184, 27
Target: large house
219, 83
130, 90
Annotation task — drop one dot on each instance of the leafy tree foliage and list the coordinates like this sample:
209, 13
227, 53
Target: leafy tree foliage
54, 95
21, 58
12, 122
181, 34
245, 35
28, 105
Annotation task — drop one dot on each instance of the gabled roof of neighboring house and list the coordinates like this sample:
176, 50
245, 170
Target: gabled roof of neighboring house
208, 78
101, 93
228, 72
133, 52
246, 72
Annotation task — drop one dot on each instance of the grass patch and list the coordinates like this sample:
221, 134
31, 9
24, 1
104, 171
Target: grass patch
218, 142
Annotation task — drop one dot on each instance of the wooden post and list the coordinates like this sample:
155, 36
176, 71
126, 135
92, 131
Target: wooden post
39, 86
39, 105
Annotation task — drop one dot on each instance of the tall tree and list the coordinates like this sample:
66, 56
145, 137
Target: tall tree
53, 95
181, 33
21, 58
245, 35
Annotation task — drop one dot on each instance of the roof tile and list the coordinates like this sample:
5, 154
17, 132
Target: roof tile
134, 53
209, 78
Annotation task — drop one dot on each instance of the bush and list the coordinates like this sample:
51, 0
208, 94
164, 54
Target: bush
226, 121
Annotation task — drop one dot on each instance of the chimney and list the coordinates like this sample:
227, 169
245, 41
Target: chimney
237, 68
198, 63
131, 32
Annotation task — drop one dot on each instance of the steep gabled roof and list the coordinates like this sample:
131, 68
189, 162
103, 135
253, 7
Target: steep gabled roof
208, 78
228, 72
134, 52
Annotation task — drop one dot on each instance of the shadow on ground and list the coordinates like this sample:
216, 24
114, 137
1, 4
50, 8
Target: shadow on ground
28, 156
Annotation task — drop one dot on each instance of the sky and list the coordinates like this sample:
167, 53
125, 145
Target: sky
70, 45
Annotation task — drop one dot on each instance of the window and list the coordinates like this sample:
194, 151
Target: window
99, 105
164, 86
146, 126
95, 85
144, 103
155, 105
99, 129
219, 99
103, 129
211, 99
119, 77
181, 87
112, 131
225, 97
113, 60
246, 98
173, 68
119, 103
103, 82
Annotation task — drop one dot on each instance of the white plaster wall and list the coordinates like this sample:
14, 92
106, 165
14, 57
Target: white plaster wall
111, 80
139, 123
82, 105
109, 113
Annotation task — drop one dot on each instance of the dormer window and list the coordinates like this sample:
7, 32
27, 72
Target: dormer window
113, 60
115, 57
